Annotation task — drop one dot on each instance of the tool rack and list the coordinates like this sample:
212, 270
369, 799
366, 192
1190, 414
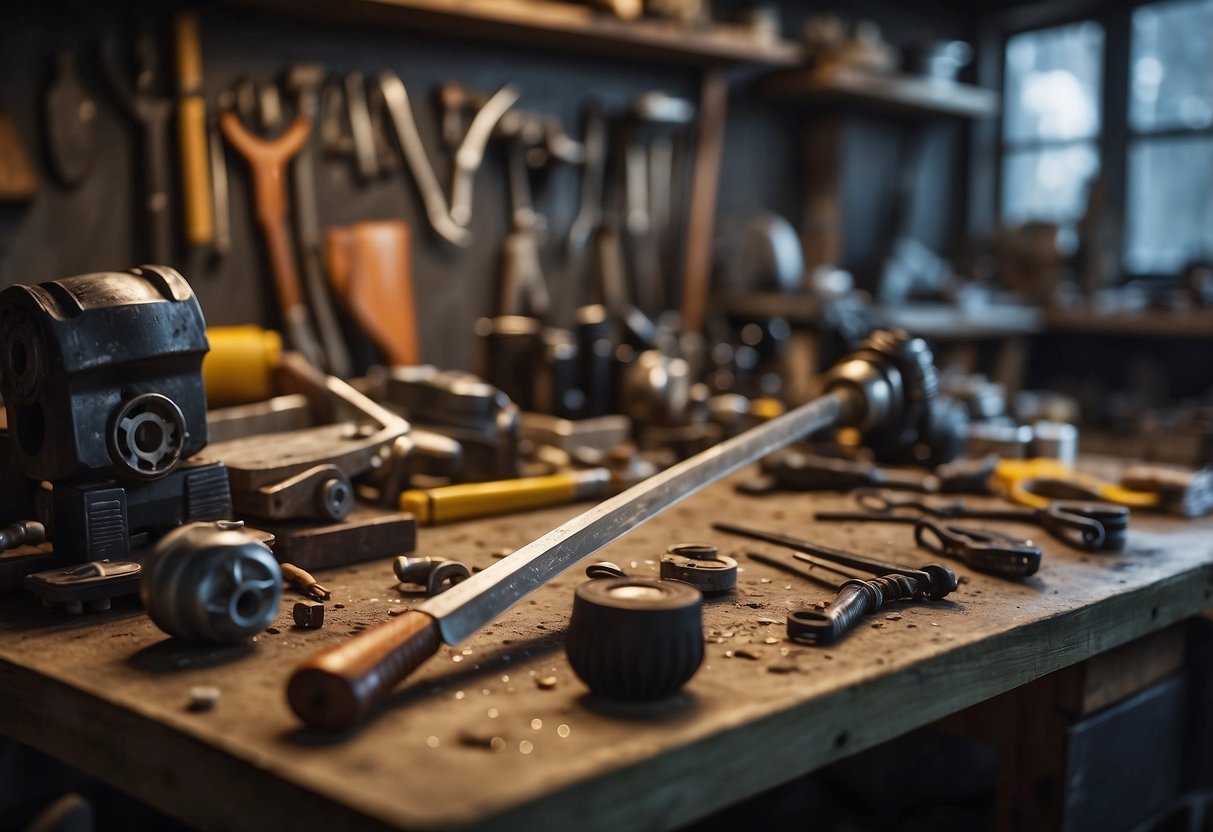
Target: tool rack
483, 737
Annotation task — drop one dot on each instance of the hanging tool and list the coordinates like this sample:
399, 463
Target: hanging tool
219, 185
70, 115
304, 80
267, 160
1084, 525
370, 267
396, 100
362, 135
856, 598
147, 104
334, 688
713, 107
470, 153
589, 210
524, 290
191, 132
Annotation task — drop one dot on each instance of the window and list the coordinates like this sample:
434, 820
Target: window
1051, 122
1170, 156
1151, 66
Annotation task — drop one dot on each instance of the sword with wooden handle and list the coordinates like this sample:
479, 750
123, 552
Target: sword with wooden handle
885, 385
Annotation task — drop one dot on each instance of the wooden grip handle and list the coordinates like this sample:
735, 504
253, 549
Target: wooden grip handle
336, 687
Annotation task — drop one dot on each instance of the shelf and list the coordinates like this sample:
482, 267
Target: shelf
836, 84
558, 26
1152, 323
944, 322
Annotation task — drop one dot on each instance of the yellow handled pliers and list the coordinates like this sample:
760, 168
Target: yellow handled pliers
1038, 482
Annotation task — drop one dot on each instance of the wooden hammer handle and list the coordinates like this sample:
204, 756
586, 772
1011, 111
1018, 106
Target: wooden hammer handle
336, 687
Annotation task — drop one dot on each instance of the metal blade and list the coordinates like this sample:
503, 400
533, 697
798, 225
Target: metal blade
467, 607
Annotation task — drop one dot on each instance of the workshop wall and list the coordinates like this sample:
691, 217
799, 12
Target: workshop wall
97, 226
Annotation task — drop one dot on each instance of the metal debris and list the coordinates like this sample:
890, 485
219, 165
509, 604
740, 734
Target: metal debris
308, 614
203, 697
546, 683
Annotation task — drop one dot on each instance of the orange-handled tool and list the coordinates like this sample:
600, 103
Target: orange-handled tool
191, 132
267, 160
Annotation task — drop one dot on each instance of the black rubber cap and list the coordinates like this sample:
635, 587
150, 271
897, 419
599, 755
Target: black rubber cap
635, 639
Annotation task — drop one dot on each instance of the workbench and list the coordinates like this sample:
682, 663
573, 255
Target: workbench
499, 732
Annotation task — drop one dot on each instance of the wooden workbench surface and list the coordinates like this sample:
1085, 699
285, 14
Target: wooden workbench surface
474, 740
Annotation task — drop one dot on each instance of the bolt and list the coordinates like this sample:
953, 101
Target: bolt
694, 551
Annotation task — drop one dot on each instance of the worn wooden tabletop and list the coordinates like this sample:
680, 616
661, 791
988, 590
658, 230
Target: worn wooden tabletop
475, 740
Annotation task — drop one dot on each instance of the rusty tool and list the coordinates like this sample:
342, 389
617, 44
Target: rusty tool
881, 385
303, 581
370, 267
267, 160
147, 105
191, 132
857, 597
305, 80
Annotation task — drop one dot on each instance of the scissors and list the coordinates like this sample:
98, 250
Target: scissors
1038, 482
1090, 526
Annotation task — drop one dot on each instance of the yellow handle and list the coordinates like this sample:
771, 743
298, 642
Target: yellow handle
191, 131
449, 503
238, 369
1016, 477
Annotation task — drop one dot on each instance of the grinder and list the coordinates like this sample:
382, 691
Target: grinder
101, 376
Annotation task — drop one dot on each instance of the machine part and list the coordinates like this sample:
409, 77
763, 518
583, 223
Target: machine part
70, 116
362, 135
1003, 440
657, 389
900, 440
107, 520
281, 413
396, 100
203, 698
191, 132
635, 639
1088, 526
150, 108
335, 687
480, 417
604, 569
211, 583
595, 362
599, 434
305, 81
22, 533
267, 160
146, 436
983, 550
239, 367
710, 575
470, 154
308, 473
452, 503
304, 582
435, 574
694, 551
370, 266
1055, 440
512, 351
78, 353
358, 539
556, 389
308, 615
91, 585
769, 256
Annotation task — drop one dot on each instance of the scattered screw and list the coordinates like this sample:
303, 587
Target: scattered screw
203, 697
309, 615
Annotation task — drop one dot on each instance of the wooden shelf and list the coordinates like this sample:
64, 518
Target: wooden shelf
836, 84
944, 322
557, 26
1151, 323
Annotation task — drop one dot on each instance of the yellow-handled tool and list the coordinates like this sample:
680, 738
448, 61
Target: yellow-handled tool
1038, 482
191, 129
449, 503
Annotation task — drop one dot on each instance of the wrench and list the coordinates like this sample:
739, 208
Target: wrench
471, 151
396, 98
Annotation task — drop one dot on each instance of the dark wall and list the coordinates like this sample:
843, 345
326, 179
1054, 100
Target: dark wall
96, 227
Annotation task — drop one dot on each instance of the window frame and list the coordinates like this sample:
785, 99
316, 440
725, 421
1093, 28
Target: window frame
1116, 134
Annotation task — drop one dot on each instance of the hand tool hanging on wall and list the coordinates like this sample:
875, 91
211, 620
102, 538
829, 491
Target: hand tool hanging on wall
150, 108
304, 80
876, 386
470, 153
856, 597
370, 267
362, 134
524, 290
191, 132
697, 274
589, 209
70, 116
219, 185
396, 100
267, 160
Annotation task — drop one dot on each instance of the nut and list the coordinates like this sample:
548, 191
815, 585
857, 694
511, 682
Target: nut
309, 615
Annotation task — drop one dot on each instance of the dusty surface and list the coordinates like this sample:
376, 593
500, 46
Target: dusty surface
499, 729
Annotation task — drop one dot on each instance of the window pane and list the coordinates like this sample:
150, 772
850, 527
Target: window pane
1172, 70
1053, 83
1048, 184
1170, 203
